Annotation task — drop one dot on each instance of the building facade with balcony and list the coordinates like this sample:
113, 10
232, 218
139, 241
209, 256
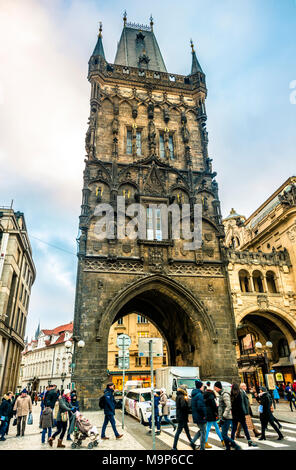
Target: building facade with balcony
136, 326
261, 253
17, 275
46, 360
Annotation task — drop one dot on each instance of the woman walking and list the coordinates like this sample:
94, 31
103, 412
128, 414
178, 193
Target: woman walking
239, 411
290, 394
266, 415
212, 415
165, 409
65, 408
22, 406
182, 411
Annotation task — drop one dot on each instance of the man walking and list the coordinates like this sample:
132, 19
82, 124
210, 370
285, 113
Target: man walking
109, 411
22, 406
199, 413
225, 415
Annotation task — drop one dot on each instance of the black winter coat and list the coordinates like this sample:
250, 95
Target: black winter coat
109, 402
238, 411
50, 398
211, 406
266, 403
182, 407
6, 408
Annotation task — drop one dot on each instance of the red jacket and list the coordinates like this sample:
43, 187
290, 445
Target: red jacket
294, 386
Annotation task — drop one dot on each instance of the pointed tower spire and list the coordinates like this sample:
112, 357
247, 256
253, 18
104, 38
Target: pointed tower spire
99, 49
195, 64
37, 332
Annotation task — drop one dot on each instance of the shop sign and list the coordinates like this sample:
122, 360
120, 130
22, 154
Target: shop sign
279, 377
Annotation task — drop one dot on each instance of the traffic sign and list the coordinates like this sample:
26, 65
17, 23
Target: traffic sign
157, 347
123, 341
123, 363
123, 353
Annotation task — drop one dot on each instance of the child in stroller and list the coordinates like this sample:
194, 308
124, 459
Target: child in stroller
83, 429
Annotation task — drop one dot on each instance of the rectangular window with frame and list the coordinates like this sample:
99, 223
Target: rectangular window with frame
153, 224
171, 147
139, 142
161, 146
142, 319
129, 142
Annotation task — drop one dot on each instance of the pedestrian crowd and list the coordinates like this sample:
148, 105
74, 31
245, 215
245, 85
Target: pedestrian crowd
223, 409
211, 407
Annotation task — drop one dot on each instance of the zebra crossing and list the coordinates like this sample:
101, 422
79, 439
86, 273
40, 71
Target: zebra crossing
271, 443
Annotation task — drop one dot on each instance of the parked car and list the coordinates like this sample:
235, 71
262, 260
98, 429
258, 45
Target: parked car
137, 403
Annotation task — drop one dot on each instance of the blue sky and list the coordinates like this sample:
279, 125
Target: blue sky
247, 50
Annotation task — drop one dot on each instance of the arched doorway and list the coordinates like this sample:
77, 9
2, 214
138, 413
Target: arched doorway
263, 327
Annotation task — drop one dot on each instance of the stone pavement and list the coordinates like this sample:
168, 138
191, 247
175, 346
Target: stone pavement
282, 412
32, 437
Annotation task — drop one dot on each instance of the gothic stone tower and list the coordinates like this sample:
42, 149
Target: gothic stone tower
147, 141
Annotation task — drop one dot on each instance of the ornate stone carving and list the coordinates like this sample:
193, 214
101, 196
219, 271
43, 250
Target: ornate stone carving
155, 259
262, 301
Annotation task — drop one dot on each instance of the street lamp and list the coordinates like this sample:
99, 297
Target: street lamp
68, 345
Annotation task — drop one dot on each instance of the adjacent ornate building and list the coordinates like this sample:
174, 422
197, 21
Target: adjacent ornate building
46, 360
147, 142
261, 263
17, 275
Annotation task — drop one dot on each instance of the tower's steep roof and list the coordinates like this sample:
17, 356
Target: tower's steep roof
99, 49
138, 46
195, 67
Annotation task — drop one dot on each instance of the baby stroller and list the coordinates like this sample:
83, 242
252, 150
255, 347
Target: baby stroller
83, 429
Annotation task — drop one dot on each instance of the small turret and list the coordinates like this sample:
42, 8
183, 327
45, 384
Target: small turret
99, 49
195, 67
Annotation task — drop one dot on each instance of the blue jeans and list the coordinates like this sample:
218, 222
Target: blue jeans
166, 420
112, 421
215, 424
157, 422
228, 441
44, 431
3, 428
202, 434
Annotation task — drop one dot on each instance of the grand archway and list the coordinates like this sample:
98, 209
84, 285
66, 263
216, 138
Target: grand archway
189, 331
266, 326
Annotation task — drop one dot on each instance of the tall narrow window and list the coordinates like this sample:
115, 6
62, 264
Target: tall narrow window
171, 147
153, 224
139, 142
129, 145
161, 146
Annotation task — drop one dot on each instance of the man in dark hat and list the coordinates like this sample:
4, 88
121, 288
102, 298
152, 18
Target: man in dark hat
109, 411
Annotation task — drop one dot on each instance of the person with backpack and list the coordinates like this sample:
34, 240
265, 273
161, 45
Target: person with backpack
107, 402
225, 415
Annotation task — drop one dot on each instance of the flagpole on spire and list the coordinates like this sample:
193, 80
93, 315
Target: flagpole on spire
124, 18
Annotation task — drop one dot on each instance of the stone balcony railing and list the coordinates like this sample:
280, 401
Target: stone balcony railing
99, 65
274, 258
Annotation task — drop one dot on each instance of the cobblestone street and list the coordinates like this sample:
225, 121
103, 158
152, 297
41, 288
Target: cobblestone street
32, 437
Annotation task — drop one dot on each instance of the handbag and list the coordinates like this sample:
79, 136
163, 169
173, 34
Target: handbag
14, 422
30, 419
64, 416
